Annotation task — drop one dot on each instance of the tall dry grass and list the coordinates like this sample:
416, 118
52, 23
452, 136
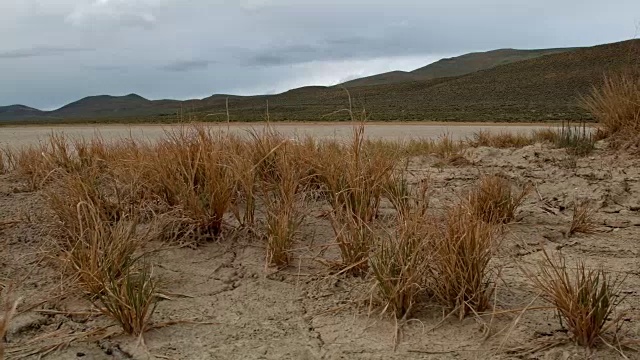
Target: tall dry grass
460, 276
283, 204
191, 171
353, 178
616, 107
401, 262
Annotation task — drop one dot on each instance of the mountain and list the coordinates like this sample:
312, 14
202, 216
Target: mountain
541, 85
456, 66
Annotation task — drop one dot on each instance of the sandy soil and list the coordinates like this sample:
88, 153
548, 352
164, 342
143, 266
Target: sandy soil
250, 312
22, 135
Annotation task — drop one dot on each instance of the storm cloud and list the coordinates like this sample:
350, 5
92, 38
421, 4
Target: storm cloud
56, 52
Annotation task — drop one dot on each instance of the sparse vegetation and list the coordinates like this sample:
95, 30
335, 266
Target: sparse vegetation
112, 201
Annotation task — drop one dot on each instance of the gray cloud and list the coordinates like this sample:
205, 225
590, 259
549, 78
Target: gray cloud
188, 65
39, 51
255, 46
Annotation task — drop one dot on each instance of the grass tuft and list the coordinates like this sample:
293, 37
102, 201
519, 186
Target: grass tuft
495, 200
585, 299
130, 299
616, 107
460, 278
583, 219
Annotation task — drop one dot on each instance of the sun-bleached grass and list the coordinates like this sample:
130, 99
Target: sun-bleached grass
583, 218
586, 299
496, 200
616, 107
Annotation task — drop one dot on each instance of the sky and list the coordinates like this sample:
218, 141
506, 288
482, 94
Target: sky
57, 51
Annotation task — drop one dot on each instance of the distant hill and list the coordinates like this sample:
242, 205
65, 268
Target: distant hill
19, 111
541, 85
456, 66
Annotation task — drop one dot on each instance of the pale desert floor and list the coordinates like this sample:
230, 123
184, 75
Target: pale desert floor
248, 311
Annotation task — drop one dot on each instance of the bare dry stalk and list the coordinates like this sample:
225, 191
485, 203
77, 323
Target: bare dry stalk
585, 299
583, 219
9, 307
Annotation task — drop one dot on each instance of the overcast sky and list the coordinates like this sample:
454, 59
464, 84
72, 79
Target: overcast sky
56, 51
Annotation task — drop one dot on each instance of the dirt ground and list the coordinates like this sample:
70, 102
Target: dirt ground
23, 135
227, 305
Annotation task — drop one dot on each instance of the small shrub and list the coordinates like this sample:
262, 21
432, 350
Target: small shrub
585, 299
460, 273
495, 201
583, 220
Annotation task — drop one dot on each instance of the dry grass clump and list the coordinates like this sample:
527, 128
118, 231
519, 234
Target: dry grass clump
400, 264
583, 219
103, 258
283, 213
501, 140
495, 200
353, 178
585, 299
192, 172
130, 299
616, 107
460, 270
8, 310
576, 139
99, 251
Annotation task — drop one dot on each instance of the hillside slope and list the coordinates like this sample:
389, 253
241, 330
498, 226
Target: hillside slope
542, 88
456, 66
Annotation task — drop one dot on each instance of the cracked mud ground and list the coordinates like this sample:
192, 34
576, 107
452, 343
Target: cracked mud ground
232, 307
